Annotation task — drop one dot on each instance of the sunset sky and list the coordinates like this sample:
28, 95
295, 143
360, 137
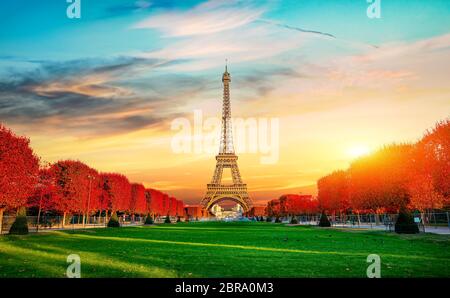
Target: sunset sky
105, 88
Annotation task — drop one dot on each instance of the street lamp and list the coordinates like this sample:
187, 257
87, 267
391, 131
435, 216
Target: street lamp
90, 177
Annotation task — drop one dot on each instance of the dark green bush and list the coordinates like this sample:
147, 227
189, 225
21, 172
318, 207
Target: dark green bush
324, 222
20, 225
405, 223
167, 220
178, 219
148, 220
277, 220
113, 221
269, 219
294, 220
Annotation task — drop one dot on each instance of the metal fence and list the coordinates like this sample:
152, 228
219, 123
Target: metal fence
425, 221
48, 223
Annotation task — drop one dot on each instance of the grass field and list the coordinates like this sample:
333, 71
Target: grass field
224, 250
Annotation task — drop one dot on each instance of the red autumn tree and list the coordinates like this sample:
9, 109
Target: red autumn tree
45, 195
138, 201
292, 204
433, 160
154, 202
116, 192
273, 208
19, 168
180, 208
172, 206
165, 204
381, 179
333, 192
75, 189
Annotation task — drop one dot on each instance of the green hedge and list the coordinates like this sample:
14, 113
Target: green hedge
405, 223
20, 225
324, 222
113, 221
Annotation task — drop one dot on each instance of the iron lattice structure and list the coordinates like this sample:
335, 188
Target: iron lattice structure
216, 191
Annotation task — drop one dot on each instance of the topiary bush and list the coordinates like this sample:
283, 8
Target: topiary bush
294, 220
20, 225
324, 222
405, 223
149, 220
167, 220
113, 221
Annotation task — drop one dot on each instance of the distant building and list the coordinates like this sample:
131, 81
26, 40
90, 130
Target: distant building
195, 211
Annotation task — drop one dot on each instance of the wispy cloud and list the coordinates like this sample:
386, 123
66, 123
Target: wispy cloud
87, 97
206, 18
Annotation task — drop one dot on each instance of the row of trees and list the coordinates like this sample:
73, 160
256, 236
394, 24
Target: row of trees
398, 176
71, 187
292, 204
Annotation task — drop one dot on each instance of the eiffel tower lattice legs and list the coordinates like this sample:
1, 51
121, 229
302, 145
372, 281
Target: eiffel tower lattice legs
237, 191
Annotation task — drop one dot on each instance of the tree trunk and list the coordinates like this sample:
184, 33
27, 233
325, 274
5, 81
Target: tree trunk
64, 219
1, 220
39, 215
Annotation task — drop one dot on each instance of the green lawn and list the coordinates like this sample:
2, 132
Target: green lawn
224, 250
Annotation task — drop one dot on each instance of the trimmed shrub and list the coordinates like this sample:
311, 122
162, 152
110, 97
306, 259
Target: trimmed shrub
178, 219
277, 220
269, 219
148, 220
405, 223
20, 225
167, 220
113, 221
294, 220
324, 222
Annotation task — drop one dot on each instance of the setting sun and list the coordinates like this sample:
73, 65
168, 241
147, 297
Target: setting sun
358, 150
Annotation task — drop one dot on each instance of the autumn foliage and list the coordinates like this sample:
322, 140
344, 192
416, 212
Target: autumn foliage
70, 186
292, 204
19, 168
396, 177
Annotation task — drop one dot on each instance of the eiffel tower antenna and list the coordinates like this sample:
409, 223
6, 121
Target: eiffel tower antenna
216, 190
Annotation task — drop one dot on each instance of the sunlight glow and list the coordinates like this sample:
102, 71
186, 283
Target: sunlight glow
358, 151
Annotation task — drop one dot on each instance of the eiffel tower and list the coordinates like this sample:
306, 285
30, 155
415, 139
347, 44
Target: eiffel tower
216, 191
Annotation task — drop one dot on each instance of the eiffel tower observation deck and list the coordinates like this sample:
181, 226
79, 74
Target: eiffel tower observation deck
216, 190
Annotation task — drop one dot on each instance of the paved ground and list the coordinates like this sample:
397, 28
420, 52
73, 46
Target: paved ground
428, 229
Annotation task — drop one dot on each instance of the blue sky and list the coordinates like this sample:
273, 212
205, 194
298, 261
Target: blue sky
105, 88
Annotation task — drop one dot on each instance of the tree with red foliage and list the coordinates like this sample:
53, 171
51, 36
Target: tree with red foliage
19, 168
116, 192
172, 206
432, 160
180, 208
74, 187
138, 201
333, 192
165, 204
155, 202
45, 195
380, 180
273, 208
